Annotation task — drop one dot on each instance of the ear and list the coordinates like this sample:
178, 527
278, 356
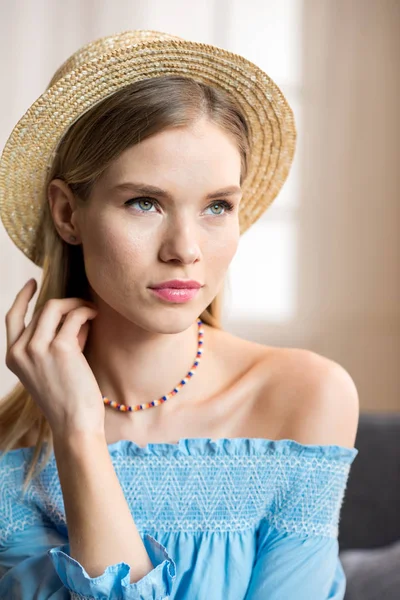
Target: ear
63, 205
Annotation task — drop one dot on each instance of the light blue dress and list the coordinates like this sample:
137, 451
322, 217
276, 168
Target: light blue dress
225, 519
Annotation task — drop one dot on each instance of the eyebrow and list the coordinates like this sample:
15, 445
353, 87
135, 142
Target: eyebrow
143, 188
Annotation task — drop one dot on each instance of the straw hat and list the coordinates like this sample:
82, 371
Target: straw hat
105, 65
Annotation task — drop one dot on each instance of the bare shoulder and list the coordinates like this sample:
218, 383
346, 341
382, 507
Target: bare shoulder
316, 398
230, 346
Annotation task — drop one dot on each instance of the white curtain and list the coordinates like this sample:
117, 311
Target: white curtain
325, 257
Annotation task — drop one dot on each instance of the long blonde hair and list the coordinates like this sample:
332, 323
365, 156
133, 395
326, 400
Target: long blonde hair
90, 145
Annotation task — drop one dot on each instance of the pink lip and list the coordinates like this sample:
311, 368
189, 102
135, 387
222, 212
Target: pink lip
176, 295
177, 283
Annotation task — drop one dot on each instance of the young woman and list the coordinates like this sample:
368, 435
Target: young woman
130, 181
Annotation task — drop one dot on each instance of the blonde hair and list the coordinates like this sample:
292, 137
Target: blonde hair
90, 145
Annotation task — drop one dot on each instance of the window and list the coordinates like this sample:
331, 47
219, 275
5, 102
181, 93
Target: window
261, 283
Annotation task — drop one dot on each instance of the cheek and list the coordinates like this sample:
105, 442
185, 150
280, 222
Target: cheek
111, 242
220, 252
114, 260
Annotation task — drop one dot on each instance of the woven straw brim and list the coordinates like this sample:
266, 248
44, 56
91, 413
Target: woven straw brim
104, 66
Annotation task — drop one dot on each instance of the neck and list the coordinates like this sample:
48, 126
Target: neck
134, 365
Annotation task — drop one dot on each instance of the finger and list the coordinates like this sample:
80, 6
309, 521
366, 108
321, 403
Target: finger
69, 331
42, 330
15, 317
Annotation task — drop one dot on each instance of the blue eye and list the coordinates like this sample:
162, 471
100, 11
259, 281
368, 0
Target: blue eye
141, 200
148, 202
227, 206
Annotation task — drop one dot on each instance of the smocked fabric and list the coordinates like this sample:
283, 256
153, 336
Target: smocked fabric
226, 519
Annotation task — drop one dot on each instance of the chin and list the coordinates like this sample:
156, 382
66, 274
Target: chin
163, 319
174, 321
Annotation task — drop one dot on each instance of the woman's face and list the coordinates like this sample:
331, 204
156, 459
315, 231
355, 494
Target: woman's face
133, 240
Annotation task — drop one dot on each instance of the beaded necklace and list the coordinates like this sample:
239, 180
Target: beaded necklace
189, 375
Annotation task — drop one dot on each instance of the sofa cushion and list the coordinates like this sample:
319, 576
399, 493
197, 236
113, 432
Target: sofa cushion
370, 516
372, 574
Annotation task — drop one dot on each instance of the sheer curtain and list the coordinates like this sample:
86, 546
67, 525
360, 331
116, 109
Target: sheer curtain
321, 269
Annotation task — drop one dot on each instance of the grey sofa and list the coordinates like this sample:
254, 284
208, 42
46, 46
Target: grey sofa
369, 527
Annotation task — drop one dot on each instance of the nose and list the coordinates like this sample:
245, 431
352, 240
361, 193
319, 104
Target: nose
180, 243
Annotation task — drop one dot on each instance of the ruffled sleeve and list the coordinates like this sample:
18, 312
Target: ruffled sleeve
33, 567
114, 583
297, 546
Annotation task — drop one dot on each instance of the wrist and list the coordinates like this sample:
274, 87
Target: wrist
77, 427
76, 440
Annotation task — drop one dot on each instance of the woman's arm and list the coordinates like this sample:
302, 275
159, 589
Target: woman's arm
297, 544
101, 529
47, 356
296, 566
35, 556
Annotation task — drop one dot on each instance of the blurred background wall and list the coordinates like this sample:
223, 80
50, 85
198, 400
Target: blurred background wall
321, 269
